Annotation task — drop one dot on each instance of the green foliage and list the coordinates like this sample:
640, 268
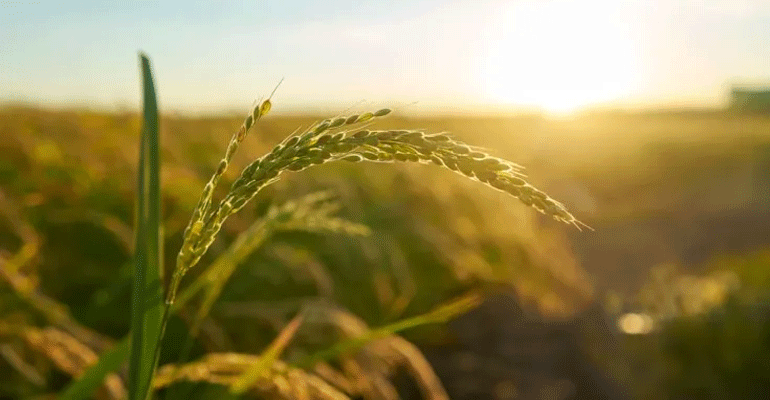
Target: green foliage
715, 351
147, 309
312, 213
752, 272
111, 360
721, 355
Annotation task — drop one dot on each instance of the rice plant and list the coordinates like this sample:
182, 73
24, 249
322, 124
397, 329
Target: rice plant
349, 138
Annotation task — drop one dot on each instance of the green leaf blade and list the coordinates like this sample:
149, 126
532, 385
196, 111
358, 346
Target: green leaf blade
147, 309
110, 361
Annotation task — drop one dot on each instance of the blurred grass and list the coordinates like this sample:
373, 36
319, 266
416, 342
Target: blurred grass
714, 338
679, 187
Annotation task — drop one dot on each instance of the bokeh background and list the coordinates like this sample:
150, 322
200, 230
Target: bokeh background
649, 120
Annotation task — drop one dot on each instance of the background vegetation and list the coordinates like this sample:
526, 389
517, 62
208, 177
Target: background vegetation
679, 202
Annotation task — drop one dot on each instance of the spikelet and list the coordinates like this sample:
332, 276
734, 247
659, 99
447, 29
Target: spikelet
202, 210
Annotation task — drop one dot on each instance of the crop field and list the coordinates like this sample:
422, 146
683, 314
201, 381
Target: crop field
678, 202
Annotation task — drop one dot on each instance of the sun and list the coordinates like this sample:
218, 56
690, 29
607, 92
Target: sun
559, 56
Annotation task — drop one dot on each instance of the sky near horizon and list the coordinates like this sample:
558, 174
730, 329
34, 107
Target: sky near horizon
454, 55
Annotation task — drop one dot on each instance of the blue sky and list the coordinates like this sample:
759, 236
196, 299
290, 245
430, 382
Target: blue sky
211, 56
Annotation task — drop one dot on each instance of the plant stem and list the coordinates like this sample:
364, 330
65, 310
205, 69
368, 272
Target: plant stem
161, 335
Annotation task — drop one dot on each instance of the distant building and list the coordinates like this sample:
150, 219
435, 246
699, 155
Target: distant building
750, 99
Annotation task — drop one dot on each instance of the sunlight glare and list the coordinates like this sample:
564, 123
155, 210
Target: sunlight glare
560, 56
635, 324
